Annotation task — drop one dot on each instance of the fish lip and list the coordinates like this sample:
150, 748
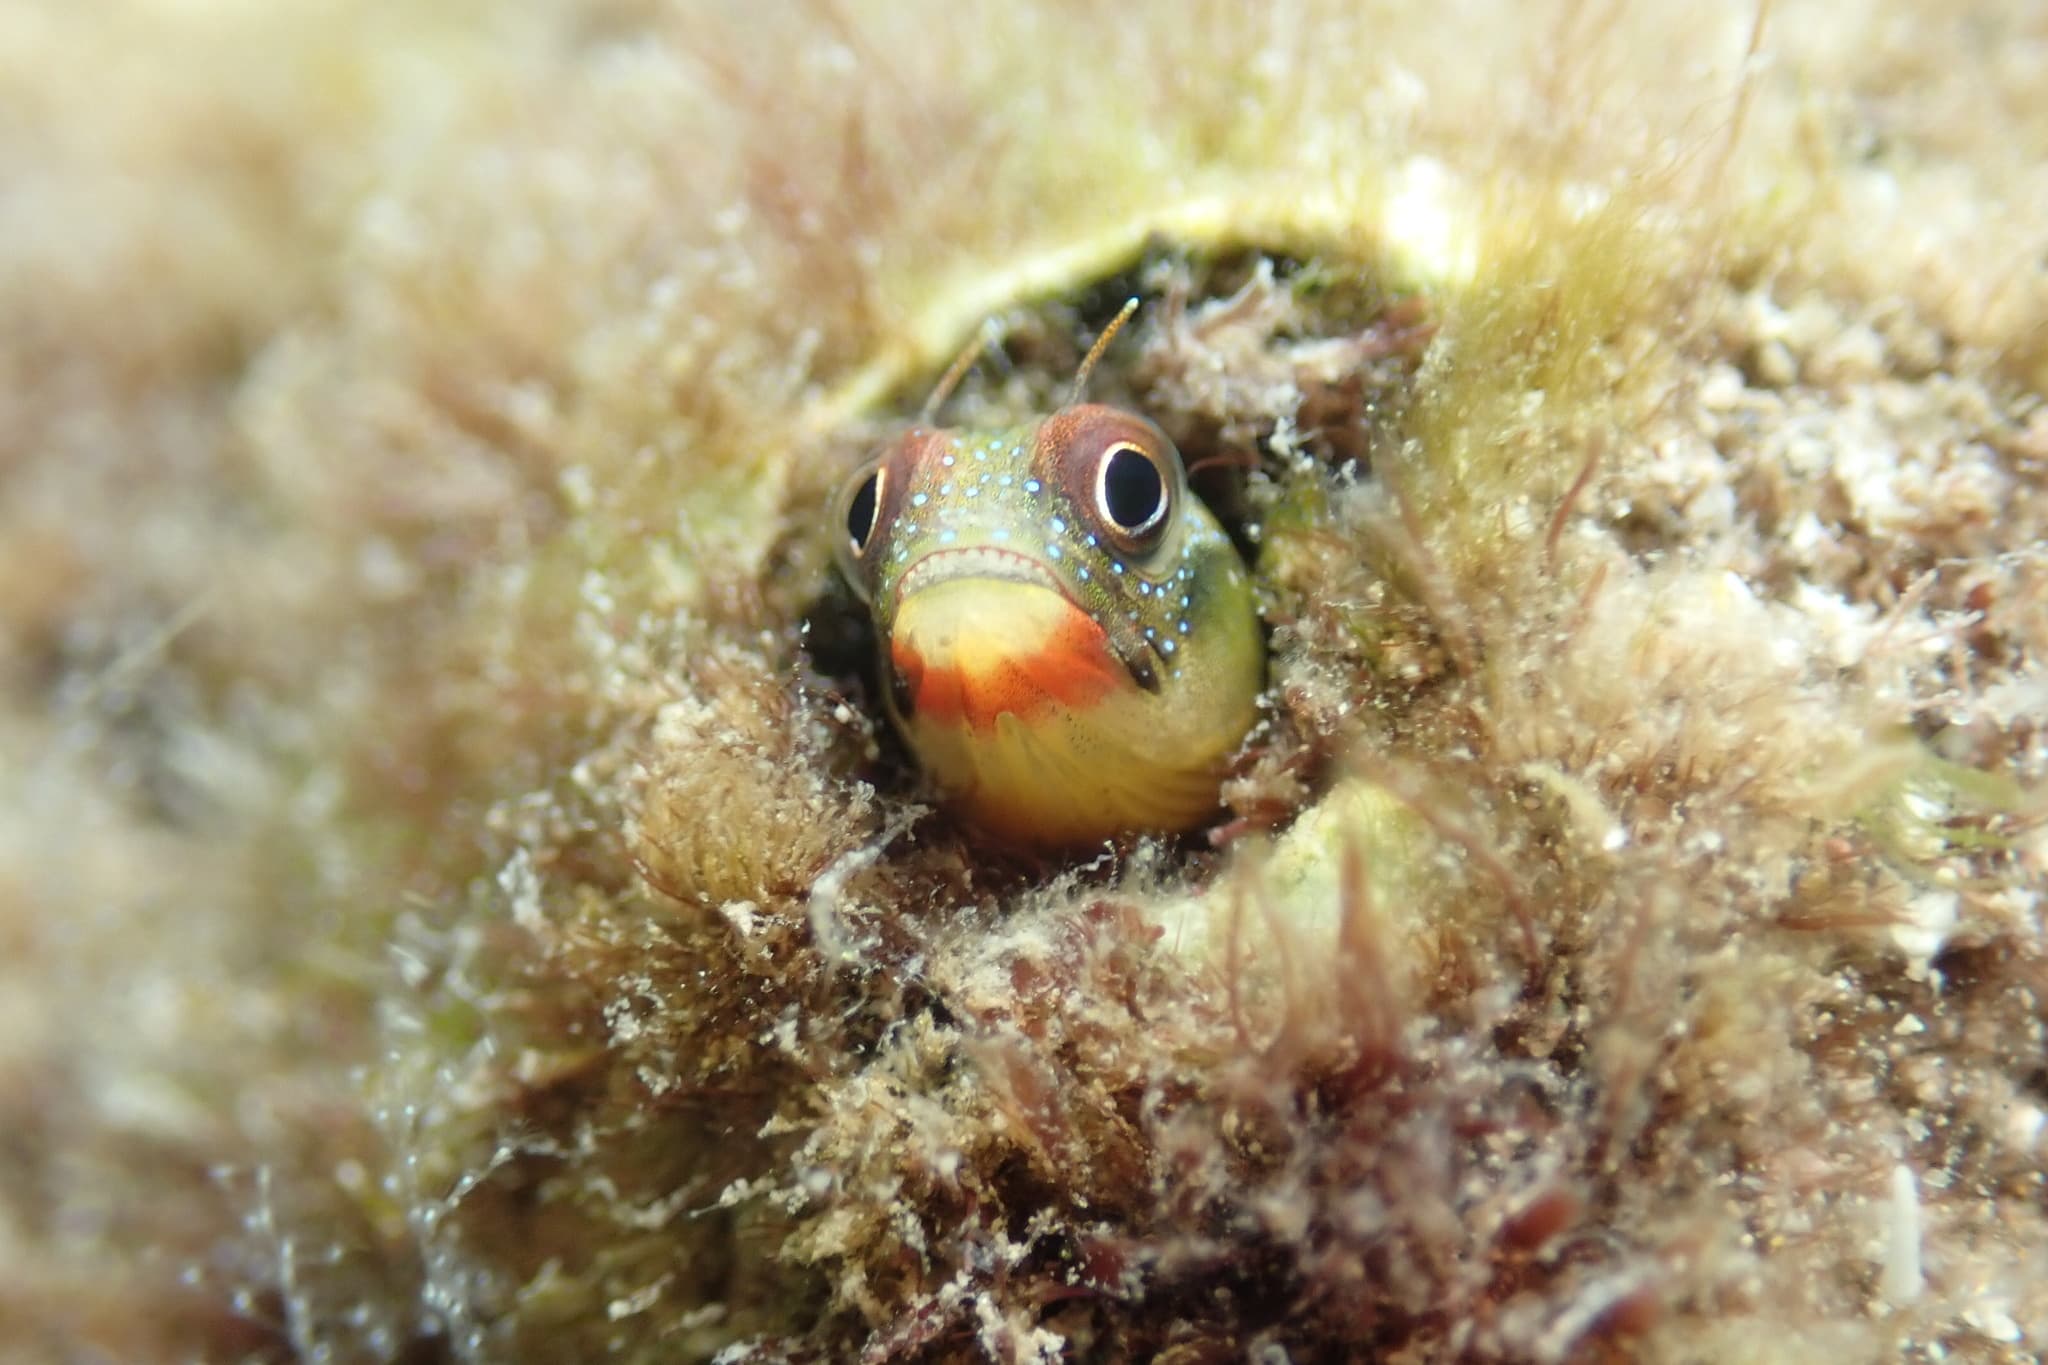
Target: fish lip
994, 563
978, 561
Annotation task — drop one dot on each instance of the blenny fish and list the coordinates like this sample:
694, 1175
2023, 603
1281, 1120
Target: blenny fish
1068, 638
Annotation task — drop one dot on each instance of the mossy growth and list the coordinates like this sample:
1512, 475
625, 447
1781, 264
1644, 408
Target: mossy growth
1620, 939
1506, 945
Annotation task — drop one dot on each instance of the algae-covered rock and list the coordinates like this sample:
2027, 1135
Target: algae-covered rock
462, 898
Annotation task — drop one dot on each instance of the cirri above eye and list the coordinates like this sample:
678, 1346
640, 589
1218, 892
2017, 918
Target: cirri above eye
1068, 638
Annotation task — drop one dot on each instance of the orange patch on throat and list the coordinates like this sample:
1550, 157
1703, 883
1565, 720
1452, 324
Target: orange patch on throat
968, 651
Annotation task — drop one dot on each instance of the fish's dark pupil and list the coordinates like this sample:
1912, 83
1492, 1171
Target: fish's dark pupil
1131, 489
860, 513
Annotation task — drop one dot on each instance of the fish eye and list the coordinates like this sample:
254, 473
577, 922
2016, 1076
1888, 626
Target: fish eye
1130, 492
862, 507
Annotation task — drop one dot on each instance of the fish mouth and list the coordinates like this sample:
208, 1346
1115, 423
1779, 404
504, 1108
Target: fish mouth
979, 561
990, 563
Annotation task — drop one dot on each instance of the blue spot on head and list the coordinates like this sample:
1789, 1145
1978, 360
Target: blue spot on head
1052, 551
1032, 485
918, 499
1059, 527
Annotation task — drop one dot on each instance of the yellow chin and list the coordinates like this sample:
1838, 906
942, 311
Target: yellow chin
1019, 709
1065, 780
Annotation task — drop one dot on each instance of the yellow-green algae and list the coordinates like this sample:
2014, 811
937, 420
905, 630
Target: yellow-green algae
452, 915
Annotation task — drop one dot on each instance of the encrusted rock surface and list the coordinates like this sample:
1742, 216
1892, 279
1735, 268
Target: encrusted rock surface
460, 900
